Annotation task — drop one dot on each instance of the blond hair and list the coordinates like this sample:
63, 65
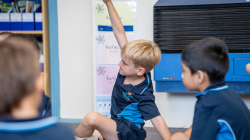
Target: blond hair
143, 53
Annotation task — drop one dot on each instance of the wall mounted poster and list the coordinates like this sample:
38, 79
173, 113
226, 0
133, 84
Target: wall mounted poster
125, 10
107, 48
105, 78
103, 105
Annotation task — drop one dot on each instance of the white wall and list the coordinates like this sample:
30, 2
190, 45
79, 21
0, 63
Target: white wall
76, 63
75, 57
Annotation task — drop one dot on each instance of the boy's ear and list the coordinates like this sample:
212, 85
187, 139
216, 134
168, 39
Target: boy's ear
39, 85
200, 76
140, 71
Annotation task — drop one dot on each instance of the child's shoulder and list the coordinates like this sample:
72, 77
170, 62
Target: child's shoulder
220, 99
60, 131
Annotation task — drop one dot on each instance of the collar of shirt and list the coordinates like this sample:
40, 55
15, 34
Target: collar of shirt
214, 87
8, 118
138, 89
9, 124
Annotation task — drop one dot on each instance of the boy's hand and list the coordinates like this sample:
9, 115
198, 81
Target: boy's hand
248, 68
106, 1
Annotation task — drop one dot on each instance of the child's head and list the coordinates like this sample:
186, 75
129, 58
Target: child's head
139, 57
206, 59
4, 35
23, 39
19, 76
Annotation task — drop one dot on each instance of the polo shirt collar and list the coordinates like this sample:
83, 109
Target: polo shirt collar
9, 124
214, 87
139, 89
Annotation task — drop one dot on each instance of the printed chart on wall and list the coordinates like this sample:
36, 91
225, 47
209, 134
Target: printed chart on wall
103, 105
107, 51
125, 10
105, 78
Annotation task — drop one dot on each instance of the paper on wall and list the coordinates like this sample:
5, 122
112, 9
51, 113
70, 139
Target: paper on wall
107, 48
125, 10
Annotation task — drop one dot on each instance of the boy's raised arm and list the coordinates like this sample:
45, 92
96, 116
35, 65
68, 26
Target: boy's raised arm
117, 26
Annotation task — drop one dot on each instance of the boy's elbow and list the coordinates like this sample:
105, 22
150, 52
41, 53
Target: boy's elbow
248, 68
157, 120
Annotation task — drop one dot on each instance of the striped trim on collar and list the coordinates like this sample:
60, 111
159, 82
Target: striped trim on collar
27, 126
214, 89
147, 85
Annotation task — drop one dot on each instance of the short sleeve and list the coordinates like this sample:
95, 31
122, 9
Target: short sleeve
205, 125
148, 108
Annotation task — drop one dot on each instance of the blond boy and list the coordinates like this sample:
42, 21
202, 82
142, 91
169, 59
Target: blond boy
132, 100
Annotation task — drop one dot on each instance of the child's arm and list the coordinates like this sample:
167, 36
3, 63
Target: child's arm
161, 127
189, 131
248, 68
117, 26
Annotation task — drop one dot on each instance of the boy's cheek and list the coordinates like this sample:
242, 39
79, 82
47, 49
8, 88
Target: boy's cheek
187, 87
185, 83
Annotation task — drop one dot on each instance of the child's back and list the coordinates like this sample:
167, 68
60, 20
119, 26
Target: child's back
225, 112
21, 86
33, 129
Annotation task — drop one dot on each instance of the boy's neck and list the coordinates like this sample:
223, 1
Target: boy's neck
134, 80
204, 86
26, 110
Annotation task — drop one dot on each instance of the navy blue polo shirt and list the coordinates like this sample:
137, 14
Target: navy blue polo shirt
134, 103
33, 129
220, 114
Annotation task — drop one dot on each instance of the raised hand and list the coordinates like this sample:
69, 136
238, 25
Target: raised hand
106, 1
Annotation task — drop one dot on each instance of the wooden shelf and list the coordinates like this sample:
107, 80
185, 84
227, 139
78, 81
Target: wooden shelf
26, 32
45, 35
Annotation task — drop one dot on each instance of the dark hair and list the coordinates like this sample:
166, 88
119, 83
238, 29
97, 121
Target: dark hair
209, 55
6, 33
25, 37
18, 72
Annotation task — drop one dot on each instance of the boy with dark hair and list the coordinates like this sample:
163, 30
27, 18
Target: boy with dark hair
220, 113
45, 108
21, 86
